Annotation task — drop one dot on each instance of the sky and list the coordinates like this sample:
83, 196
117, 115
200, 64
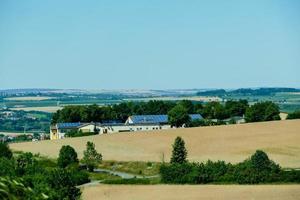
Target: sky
149, 44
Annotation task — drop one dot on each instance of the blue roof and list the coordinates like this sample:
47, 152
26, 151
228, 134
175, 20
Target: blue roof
149, 119
195, 116
154, 119
69, 125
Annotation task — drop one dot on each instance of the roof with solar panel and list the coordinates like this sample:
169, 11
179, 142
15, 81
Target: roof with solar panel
155, 119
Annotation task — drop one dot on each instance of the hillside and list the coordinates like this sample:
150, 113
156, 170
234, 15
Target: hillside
233, 143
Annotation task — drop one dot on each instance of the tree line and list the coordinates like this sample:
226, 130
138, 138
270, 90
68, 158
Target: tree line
254, 170
262, 111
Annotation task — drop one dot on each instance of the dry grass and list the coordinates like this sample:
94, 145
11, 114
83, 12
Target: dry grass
34, 98
233, 143
192, 192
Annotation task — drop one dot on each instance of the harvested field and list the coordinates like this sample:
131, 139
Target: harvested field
192, 98
192, 192
232, 143
34, 98
50, 109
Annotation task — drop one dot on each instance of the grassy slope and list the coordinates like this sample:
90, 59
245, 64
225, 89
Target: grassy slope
280, 139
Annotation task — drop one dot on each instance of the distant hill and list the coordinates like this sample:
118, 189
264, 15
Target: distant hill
246, 91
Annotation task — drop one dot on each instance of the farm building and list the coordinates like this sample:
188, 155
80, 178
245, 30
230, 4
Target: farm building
133, 123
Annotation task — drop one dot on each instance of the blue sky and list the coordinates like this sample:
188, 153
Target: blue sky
149, 44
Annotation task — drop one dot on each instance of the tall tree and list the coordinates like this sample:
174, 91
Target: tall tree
179, 152
91, 157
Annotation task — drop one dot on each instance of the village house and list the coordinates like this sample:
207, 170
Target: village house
133, 123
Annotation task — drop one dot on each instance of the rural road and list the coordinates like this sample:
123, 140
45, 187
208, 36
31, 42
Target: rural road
123, 175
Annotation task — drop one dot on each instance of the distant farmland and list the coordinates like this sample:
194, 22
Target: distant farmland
232, 143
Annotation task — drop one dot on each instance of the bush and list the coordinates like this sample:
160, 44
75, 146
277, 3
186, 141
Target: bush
5, 151
7, 167
67, 156
78, 176
60, 180
257, 169
25, 163
179, 173
294, 115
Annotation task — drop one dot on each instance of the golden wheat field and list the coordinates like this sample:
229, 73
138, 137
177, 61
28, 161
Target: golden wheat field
192, 192
232, 143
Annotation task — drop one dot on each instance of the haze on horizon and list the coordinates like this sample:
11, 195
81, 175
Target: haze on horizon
149, 44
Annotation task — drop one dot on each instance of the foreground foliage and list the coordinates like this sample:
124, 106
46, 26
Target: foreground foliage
27, 176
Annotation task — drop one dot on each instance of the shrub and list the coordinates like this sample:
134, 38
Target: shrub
179, 173
5, 151
78, 176
67, 156
294, 115
7, 167
60, 180
257, 169
25, 162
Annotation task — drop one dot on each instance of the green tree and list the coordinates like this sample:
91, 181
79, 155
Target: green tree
91, 157
5, 151
189, 106
236, 108
214, 110
260, 161
178, 116
60, 180
262, 111
179, 152
67, 156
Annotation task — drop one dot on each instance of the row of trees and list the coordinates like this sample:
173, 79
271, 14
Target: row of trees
257, 169
211, 110
177, 112
29, 177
